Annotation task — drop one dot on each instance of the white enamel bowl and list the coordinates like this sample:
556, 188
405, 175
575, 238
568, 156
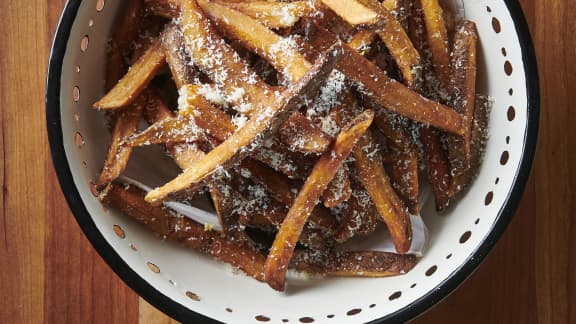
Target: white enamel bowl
459, 239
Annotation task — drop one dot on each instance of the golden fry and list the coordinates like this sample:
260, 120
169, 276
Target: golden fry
354, 12
273, 14
176, 57
437, 37
135, 81
323, 172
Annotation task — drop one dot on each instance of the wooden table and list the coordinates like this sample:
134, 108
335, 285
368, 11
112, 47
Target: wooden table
50, 273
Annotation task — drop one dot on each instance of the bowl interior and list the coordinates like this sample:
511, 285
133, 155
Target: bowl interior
182, 279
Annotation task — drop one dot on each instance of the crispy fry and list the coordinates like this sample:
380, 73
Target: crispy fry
284, 190
176, 57
376, 87
173, 130
375, 180
323, 172
437, 37
124, 33
436, 166
131, 202
359, 216
464, 81
362, 41
125, 124
252, 134
303, 136
273, 14
477, 143
354, 12
338, 190
370, 264
135, 81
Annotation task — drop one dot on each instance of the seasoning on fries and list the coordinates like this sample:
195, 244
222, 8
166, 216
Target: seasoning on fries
302, 120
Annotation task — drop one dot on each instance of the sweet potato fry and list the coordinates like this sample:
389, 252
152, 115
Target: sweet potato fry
437, 37
362, 41
284, 190
437, 167
370, 264
176, 57
392, 210
125, 31
323, 172
303, 136
354, 12
173, 130
376, 87
359, 216
125, 124
134, 82
273, 14
131, 202
256, 37
251, 136
464, 81
338, 190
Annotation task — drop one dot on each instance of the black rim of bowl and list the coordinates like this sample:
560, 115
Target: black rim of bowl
182, 313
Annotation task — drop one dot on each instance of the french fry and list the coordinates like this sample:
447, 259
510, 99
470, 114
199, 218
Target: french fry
437, 37
362, 41
303, 136
358, 217
125, 124
124, 33
176, 57
392, 210
251, 135
131, 202
323, 172
273, 14
464, 81
376, 87
135, 81
173, 130
370, 264
338, 190
354, 12
437, 167
477, 144
284, 190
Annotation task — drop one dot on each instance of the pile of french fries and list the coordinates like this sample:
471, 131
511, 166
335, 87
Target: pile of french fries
306, 122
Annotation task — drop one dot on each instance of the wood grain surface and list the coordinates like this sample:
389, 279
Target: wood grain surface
50, 273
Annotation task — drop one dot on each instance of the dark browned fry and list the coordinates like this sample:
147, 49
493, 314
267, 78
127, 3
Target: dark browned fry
163, 8
437, 166
323, 172
130, 201
125, 124
359, 216
464, 90
338, 190
176, 57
